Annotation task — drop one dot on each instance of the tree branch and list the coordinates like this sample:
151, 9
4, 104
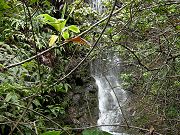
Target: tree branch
139, 61
93, 47
2, 69
47, 118
35, 46
118, 102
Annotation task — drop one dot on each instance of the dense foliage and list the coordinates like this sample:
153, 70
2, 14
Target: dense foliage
40, 51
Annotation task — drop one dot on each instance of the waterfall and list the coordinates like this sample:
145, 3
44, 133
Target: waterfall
111, 96
97, 5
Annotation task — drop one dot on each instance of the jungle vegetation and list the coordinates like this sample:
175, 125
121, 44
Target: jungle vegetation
46, 47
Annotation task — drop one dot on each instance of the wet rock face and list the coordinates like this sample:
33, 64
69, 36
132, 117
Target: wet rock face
76, 98
83, 107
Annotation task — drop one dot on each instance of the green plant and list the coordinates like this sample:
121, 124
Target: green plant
59, 25
94, 132
52, 133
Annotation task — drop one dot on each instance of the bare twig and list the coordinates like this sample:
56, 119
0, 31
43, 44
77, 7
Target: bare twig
24, 112
32, 98
138, 59
118, 102
27, 60
93, 47
53, 47
117, 11
47, 118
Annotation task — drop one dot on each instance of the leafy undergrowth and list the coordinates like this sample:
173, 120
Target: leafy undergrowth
40, 93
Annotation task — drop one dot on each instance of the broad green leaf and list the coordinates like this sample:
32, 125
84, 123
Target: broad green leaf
3, 5
59, 88
36, 102
53, 39
74, 28
58, 24
47, 18
65, 34
66, 86
1, 66
94, 132
8, 97
178, 27
14, 97
52, 133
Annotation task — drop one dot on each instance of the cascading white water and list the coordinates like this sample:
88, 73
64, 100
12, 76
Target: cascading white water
97, 5
111, 96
